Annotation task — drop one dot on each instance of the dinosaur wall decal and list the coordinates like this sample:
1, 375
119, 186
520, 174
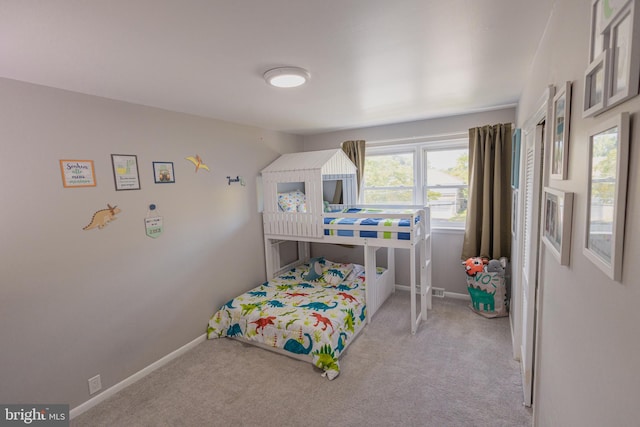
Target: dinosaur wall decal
198, 162
102, 217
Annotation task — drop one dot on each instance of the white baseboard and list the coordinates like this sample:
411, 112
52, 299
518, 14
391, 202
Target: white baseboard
406, 288
83, 407
457, 295
403, 288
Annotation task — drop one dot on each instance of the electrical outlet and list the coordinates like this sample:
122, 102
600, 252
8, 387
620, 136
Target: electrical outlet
95, 384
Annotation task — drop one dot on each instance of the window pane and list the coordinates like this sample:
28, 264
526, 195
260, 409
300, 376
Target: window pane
448, 204
389, 170
447, 171
448, 167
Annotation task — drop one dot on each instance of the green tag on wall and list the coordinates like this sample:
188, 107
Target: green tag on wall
153, 226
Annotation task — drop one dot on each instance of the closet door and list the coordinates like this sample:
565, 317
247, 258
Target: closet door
534, 143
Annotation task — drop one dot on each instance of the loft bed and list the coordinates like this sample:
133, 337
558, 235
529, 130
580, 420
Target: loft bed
297, 188
311, 308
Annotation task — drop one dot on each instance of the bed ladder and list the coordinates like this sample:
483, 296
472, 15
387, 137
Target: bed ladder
423, 244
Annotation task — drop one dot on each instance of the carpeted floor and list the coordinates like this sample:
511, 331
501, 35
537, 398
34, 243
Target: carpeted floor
456, 371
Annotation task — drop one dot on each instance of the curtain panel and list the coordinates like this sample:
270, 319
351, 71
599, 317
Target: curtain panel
355, 151
488, 224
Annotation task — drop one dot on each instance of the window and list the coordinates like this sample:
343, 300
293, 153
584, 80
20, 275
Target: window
389, 179
446, 185
431, 173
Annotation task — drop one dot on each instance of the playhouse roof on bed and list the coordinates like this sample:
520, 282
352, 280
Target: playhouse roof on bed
329, 162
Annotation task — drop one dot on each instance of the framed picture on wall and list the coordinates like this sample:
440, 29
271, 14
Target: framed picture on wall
556, 230
77, 173
163, 173
560, 141
595, 78
125, 172
606, 195
613, 73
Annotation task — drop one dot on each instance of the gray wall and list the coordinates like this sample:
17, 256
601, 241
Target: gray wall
588, 372
447, 271
77, 303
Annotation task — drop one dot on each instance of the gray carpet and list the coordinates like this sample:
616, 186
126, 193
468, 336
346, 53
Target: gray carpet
456, 371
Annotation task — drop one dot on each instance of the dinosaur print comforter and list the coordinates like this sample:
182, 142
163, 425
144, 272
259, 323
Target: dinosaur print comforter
314, 318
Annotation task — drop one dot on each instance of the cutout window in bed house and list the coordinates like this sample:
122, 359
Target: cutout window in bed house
292, 197
431, 173
334, 193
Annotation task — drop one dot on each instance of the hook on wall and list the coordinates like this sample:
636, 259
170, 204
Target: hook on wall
236, 179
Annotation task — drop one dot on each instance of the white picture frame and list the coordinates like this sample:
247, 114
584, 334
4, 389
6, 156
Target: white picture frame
556, 226
560, 132
606, 195
624, 60
596, 42
613, 74
595, 84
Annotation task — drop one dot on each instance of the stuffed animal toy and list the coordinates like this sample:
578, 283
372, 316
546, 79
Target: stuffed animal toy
494, 266
474, 265
315, 270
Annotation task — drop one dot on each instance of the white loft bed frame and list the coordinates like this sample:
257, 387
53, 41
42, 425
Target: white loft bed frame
312, 168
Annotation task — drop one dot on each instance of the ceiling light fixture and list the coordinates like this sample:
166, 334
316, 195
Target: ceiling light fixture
286, 76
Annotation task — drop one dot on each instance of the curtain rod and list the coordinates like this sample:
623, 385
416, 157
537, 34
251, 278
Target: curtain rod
422, 138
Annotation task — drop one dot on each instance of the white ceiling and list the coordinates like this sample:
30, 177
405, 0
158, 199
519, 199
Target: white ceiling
372, 62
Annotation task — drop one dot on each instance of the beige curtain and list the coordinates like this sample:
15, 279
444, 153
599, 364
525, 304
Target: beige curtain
488, 226
355, 151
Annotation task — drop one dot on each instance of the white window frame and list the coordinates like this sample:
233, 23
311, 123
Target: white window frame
391, 150
419, 150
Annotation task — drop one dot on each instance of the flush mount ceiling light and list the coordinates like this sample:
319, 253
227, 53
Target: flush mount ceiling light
286, 76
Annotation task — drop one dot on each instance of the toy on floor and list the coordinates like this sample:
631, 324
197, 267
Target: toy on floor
494, 266
486, 286
474, 265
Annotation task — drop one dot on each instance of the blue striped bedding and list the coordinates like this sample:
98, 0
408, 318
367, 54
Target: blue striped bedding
377, 224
